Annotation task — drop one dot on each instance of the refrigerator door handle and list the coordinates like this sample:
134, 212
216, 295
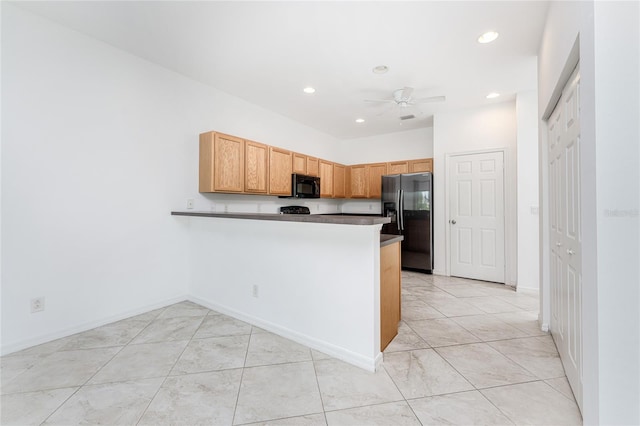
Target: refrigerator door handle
398, 209
401, 209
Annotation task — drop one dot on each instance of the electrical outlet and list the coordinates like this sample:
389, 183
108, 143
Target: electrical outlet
189, 204
226, 208
37, 304
254, 291
370, 206
259, 208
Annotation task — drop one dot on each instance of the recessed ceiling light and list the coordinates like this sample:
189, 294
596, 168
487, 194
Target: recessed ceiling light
493, 95
488, 37
359, 120
380, 69
309, 90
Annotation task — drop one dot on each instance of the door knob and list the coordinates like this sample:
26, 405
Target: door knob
558, 244
453, 221
571, 252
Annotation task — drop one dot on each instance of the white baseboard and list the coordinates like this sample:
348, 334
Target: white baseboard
370, 364
45, 338
438, 272
528, 290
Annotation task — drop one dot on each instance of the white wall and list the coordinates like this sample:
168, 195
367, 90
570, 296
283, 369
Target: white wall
617, 137
527, 184
318, 284
98, 146
609, 97
493, 126
406, 145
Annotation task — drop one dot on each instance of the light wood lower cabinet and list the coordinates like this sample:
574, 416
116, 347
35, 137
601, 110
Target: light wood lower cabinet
339, 178
221, 163
280, 167
256, 167
390, 289
326, 179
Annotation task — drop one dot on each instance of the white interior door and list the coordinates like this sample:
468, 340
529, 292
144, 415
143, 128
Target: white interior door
565, 238
476, 216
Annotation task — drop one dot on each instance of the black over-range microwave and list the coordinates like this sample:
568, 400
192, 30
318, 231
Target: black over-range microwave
303, 186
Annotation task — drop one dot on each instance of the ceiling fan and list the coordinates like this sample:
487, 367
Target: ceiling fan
403, 102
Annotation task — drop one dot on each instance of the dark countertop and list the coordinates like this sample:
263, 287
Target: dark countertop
311, 218
387, 239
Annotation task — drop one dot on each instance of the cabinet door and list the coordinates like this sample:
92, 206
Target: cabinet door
313, 168
398, 167
376, 171
256, 167
228, 163
339, 178
280, 167
358, 181
299, 163
326, 179
205, 180
390, 290
423, 165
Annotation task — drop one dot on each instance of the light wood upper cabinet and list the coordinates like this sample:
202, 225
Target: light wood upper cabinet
397, 167
235, 165
326, 179
256, 167
299, 163
339, 181
221, 163
280, 169
423, 165
358, 182
313, 166
375, 172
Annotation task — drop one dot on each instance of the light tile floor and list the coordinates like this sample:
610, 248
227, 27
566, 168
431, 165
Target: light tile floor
467, 352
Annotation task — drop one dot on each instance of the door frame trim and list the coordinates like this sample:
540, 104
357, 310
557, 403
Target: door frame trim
509, 270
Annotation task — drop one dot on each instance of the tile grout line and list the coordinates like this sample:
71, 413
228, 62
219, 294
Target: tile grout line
244, 363
171, 369
315, 373
97, 371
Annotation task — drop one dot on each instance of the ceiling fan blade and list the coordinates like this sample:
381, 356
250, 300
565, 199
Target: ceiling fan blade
430, 99
406, 92
379, 101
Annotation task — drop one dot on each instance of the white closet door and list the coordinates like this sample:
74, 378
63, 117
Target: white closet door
565, 238
476, 206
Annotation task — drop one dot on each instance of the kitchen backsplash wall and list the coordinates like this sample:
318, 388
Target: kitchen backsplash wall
236, 203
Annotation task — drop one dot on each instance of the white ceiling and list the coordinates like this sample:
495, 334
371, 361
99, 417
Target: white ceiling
267, 52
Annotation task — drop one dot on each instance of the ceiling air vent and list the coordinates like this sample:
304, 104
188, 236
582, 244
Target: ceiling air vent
407, 117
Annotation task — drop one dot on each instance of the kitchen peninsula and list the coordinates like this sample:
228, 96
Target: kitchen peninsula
314, 279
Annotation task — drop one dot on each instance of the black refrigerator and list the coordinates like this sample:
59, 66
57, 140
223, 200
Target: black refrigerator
408, 200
